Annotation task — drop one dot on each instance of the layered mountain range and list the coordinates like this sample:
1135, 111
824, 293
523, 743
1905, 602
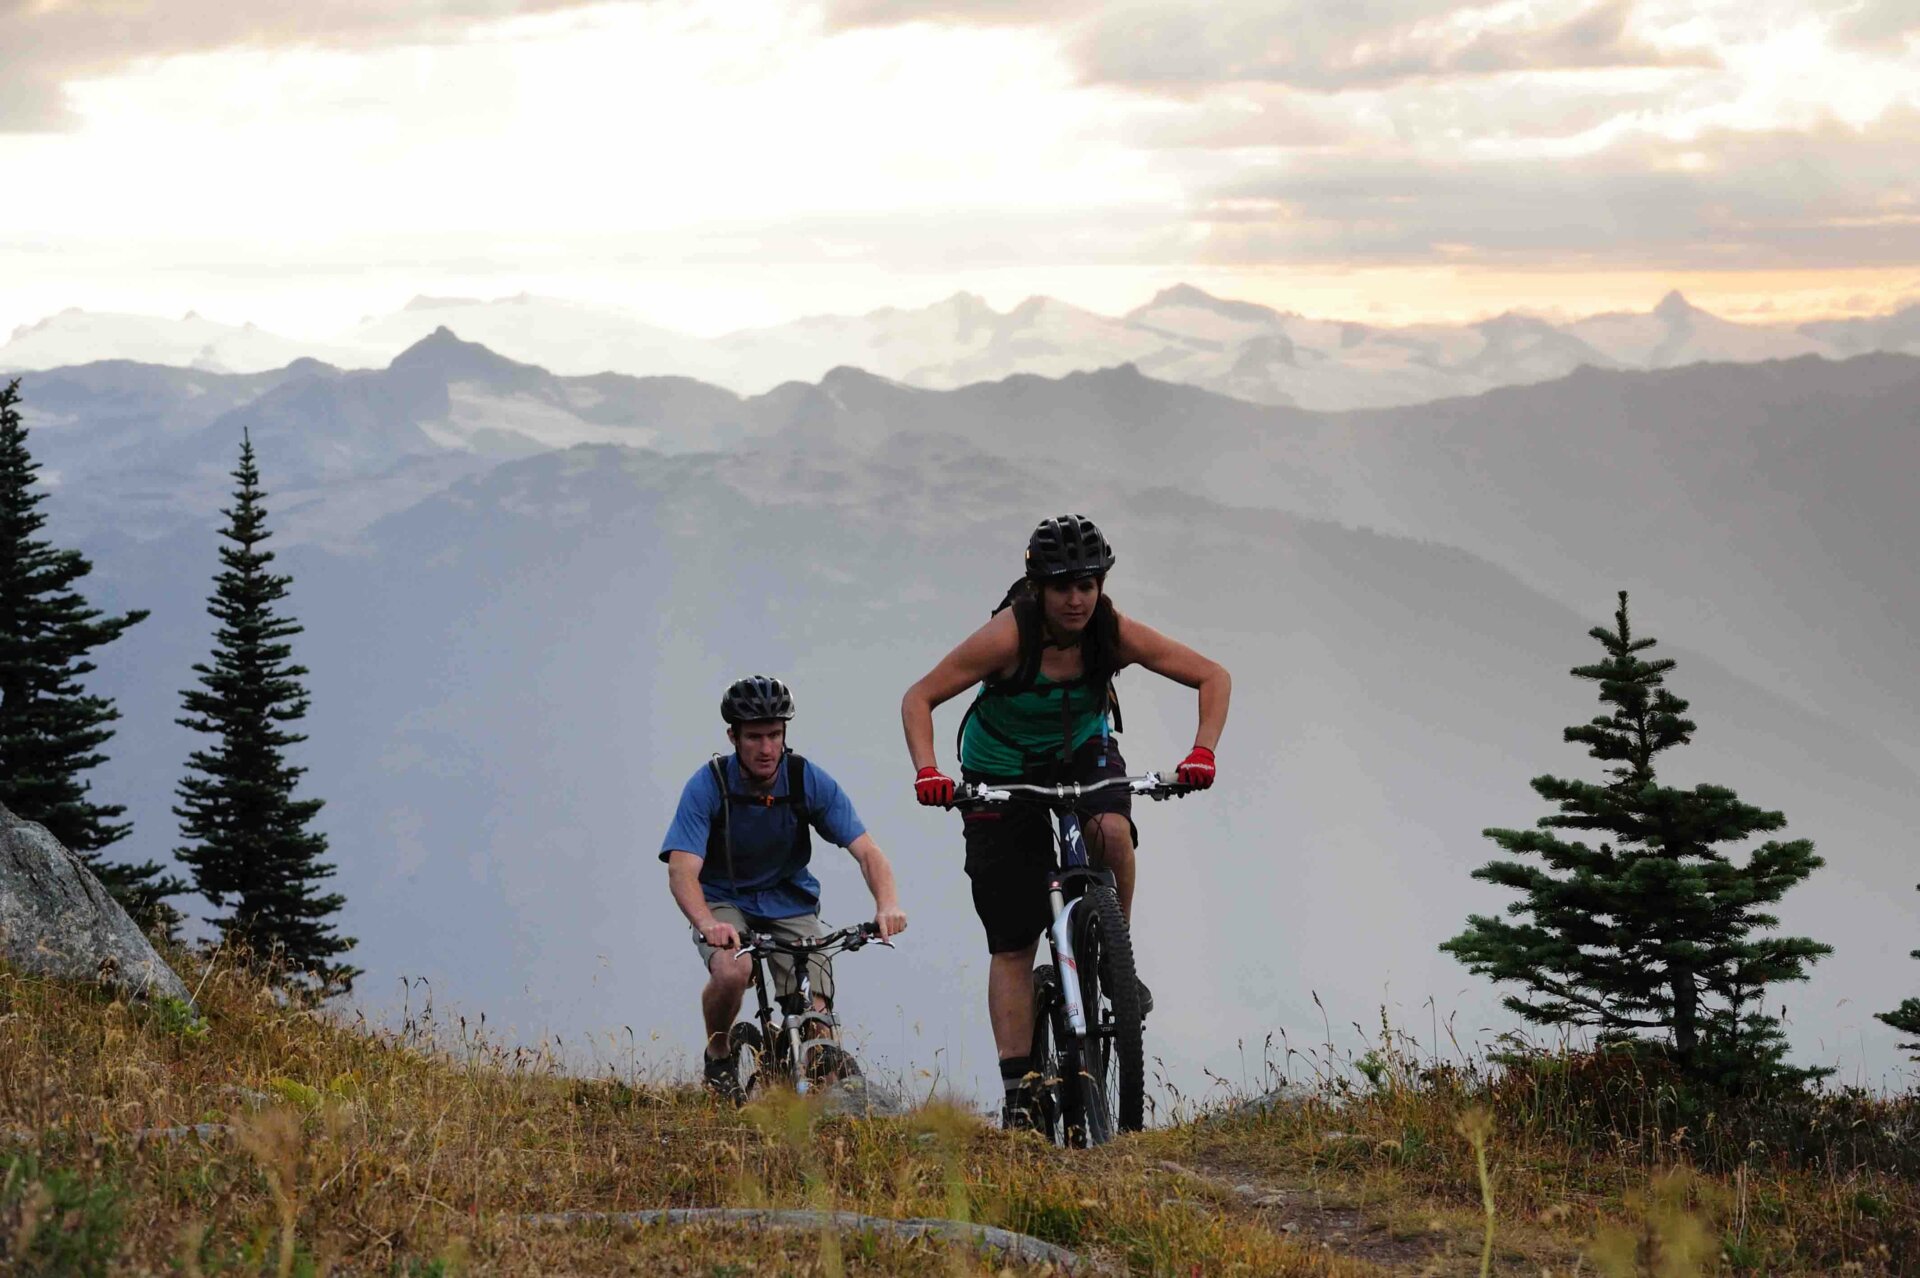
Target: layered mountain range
1182, 335
523, 591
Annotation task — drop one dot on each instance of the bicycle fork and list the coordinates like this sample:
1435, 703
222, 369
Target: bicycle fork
796, 1040
1064, 960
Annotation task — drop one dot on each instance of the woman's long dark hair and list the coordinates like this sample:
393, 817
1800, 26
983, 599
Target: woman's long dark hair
1099, 642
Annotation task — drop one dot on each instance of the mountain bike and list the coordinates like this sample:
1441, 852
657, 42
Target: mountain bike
1086, 1002
798, 1046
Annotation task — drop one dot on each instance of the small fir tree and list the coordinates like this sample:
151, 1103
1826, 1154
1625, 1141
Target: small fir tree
1656, 928
248, 841
1906, 1017
51, 730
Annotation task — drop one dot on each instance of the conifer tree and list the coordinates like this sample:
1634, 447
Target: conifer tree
249, 845
1657, 927
1906, 1017
51, 730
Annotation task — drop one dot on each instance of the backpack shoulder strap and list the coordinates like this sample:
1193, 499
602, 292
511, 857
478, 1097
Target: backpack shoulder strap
1026, 619
797, 785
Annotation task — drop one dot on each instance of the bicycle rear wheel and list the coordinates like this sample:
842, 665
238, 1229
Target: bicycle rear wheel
1113, 1080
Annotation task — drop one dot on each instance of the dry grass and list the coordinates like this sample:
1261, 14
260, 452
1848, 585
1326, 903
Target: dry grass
1597, 1164
333, 1147
342, 1149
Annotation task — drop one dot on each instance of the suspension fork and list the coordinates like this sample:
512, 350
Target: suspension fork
1073, 855
794, 1024
1064, 960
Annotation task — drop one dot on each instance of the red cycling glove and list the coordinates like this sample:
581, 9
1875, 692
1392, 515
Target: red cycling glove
933, 788
1196, 769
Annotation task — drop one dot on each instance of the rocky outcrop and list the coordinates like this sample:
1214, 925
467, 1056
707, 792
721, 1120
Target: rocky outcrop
56, 919
861, 1097
1002, 1243
1284, 1098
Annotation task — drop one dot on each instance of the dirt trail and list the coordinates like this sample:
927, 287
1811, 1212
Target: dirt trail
1315, 1217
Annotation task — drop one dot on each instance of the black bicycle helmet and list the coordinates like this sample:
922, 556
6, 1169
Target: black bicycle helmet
1067, 547
755, 698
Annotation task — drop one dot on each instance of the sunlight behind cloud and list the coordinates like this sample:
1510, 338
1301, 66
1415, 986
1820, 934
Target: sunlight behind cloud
729, 156
635, 119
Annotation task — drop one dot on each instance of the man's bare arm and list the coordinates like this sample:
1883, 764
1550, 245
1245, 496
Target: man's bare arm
683, 880
878, 872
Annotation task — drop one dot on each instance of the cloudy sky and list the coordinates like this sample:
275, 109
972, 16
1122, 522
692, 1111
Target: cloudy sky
714, 165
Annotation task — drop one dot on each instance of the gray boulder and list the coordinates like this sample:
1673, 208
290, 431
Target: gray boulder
860, 1097
1286, 1097
56, 919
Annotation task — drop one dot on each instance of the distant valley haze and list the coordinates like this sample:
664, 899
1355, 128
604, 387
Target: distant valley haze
524, 591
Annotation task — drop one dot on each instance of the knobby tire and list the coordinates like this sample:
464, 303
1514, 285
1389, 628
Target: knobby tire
770, 1066
748, 1049
1113, 1082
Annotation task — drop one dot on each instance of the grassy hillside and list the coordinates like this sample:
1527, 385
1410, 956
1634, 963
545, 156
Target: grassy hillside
264, 1139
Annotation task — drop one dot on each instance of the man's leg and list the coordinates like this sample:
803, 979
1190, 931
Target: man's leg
727, 981
1109, 838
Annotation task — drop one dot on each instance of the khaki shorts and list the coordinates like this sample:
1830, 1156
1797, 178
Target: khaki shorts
819, 969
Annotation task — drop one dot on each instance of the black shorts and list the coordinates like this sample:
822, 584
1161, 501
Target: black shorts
1010, 846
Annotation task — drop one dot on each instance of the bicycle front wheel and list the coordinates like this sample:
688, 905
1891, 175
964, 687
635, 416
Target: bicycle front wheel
748, 1048
1113, 1059
1048, 1060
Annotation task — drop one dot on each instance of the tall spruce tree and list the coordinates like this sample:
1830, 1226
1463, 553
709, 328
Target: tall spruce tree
249, 845
1906, 1017
51, 730
1657, 927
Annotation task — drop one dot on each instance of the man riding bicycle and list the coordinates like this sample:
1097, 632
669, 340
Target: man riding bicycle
737, 855
1045, 663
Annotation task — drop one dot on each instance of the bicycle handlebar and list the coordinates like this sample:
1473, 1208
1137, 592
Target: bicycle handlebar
1151, 784
847, 938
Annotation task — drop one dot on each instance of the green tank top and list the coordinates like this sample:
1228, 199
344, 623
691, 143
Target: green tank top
1008, 733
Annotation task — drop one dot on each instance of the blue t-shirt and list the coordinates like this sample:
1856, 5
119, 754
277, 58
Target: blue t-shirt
773, 881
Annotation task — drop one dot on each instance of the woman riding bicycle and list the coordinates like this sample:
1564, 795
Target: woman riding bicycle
1045, 663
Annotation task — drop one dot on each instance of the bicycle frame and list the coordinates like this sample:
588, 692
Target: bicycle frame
796, 1009
1072, 863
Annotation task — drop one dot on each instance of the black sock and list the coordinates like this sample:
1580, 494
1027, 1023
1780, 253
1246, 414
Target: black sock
1014, 1071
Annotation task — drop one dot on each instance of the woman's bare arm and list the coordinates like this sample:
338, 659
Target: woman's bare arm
1141, 644
989, 650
